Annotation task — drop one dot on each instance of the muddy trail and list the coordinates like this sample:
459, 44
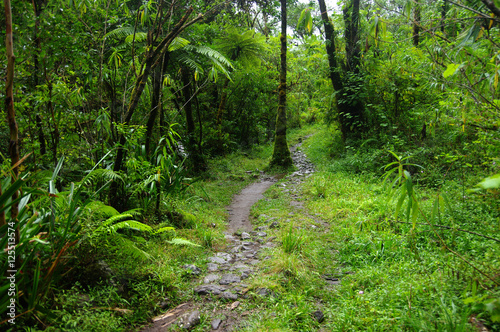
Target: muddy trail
229, 270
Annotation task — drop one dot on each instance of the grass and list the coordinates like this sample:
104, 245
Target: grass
390, 275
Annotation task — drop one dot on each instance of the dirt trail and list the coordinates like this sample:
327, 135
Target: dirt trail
239, 210
227, 271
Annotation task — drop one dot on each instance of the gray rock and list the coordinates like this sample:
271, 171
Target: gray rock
210, 278
190, 319
245, 236
229, 279
319, 316
218, 260
261, 234
245, 274
274, 224
227, 257
209, 289
236, 249
212, 267
192, 269
240, 266
216, 323
227, 295
262, 228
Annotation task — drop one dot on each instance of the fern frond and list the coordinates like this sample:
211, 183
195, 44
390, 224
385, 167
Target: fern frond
190, 63
111, 220
182, 242
139, 37
133, 225
177, 44
211, 54
122, 32
128, 247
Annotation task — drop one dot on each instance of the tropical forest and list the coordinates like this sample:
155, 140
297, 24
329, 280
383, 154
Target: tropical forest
250, 165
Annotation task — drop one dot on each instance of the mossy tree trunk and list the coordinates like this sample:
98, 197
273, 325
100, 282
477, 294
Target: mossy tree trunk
281, 153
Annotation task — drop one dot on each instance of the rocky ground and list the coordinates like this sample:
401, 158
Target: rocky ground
228, 272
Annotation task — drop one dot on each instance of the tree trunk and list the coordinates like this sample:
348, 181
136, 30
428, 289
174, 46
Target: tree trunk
281, 153
416, 24
195, 157
11, 114
37, 8
156, 103
443, 17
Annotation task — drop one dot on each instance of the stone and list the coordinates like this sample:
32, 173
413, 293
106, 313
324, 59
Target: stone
245, 236
239, 266
264, 292
212, 267
262, 228
190, 319
245, 274
229, 279
216, 323
210, 278
227, 257
209, 289
236, 249
192, 269
319, 316
218, 260
227, 295
274, 224
261, 234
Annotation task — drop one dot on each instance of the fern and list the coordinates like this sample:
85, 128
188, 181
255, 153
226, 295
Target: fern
177, 44
182, 242
123, 32
129, 248
139, 37
133, 225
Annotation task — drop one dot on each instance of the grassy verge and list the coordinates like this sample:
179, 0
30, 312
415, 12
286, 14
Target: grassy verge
346, 255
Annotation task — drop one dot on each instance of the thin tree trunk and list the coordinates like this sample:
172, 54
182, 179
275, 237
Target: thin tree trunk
281, 153
156, 104
11, 114
37, 8
416, 24
195, 156
443, 16
330, 47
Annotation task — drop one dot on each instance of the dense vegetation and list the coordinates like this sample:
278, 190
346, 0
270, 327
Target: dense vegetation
130, 125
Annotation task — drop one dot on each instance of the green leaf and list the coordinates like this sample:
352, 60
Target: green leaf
451, 69
492, 182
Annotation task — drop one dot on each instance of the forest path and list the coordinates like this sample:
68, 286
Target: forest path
228, 269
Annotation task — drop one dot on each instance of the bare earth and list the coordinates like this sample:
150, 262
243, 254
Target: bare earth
239, 210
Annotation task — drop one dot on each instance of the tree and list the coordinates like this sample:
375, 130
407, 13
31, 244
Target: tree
281, 153
152, 58
350, 106
11, 116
